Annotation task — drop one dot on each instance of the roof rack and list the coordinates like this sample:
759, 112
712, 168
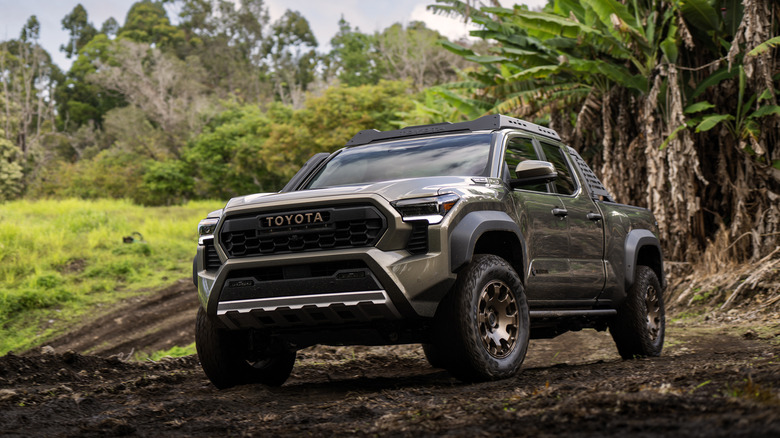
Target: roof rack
491, 122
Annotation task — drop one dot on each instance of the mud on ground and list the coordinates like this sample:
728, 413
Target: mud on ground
715, 378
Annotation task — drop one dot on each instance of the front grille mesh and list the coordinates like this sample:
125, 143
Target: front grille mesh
347, 227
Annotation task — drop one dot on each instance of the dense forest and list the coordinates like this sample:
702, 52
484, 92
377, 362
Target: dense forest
673, 102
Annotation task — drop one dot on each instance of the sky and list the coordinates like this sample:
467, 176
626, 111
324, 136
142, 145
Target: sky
323, 17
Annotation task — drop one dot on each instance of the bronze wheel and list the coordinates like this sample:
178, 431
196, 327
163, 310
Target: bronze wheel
498, 319
653, 304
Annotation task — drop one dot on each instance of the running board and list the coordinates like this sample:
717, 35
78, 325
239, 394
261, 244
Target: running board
564, 313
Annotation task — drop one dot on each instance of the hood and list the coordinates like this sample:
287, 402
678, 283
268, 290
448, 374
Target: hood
390, 190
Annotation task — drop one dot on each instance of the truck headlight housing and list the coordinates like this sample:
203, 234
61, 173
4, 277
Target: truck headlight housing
206, 229
433, 209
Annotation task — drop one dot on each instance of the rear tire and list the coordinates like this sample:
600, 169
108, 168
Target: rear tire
483, 324
639, 327
223, 356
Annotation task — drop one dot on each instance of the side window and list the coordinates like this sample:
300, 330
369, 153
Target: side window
564, 184
520, 149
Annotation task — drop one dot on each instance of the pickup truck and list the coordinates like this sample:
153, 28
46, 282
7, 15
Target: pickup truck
469, 238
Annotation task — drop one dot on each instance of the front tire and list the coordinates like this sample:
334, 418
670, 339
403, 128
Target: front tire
484, 326
639, 327
223, 357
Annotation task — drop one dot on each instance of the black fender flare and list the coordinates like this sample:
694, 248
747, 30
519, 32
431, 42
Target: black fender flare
467, 232
635, 241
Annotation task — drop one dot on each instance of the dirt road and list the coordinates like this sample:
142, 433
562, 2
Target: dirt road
714, 379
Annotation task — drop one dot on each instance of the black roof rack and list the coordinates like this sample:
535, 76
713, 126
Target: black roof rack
491, 122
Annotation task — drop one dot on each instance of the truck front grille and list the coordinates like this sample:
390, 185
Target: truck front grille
343, 227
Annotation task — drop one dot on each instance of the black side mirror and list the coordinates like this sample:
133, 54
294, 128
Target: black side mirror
532, 172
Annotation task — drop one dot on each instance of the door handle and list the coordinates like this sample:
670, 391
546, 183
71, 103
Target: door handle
560, 212
594, 216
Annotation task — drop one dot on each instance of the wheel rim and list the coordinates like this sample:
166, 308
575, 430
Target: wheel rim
498, 319
653, 304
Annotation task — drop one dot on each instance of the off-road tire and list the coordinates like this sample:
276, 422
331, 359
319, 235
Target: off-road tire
465, 331
222, 355
639, 327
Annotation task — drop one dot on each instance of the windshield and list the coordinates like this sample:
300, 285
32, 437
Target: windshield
451, 155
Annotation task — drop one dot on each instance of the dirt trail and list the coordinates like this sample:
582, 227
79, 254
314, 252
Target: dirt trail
144, 323
714, 379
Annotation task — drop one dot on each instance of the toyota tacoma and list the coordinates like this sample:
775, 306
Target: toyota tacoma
468, 238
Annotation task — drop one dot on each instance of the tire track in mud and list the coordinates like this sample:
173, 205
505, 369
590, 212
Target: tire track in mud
145, 323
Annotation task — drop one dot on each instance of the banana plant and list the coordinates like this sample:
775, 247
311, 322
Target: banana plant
743, 124
561, 55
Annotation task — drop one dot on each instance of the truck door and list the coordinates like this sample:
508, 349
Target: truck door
585, 226
547, 236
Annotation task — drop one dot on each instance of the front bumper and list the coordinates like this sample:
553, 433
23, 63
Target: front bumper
368, 284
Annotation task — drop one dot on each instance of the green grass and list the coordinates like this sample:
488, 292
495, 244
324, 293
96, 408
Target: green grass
61, 260
175, 351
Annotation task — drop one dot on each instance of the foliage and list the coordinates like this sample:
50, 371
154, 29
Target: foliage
64, 259
80, 101
110, 174
175, 351
167, 90
354, 57
10, 170
245, 150
228, 40
638, 87
81, 30
396, 53
147, 22
291, 51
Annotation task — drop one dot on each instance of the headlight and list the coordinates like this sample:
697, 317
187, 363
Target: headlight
206, 229
431, 209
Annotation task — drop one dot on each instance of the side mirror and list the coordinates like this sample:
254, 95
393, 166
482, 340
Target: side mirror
532, 172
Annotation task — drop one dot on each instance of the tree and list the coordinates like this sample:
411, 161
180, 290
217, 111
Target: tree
354, 57
80, 29
109, 27
11, 183
292, 57
147, 22
624, 82
28, 78
229, 41
167, 90
80, 101
414, 53
245, 150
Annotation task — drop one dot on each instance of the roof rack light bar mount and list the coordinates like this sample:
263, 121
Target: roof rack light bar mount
491, 122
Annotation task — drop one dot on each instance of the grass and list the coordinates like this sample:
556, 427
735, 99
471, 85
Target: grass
63, 259
175, 351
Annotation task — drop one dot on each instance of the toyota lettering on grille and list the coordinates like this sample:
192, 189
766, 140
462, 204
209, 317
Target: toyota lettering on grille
282, 220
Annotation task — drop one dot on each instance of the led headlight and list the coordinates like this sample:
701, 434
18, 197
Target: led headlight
431, 209
206, 229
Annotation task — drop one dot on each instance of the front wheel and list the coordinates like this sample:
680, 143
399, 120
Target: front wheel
639, 327
223, 356
484, 326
